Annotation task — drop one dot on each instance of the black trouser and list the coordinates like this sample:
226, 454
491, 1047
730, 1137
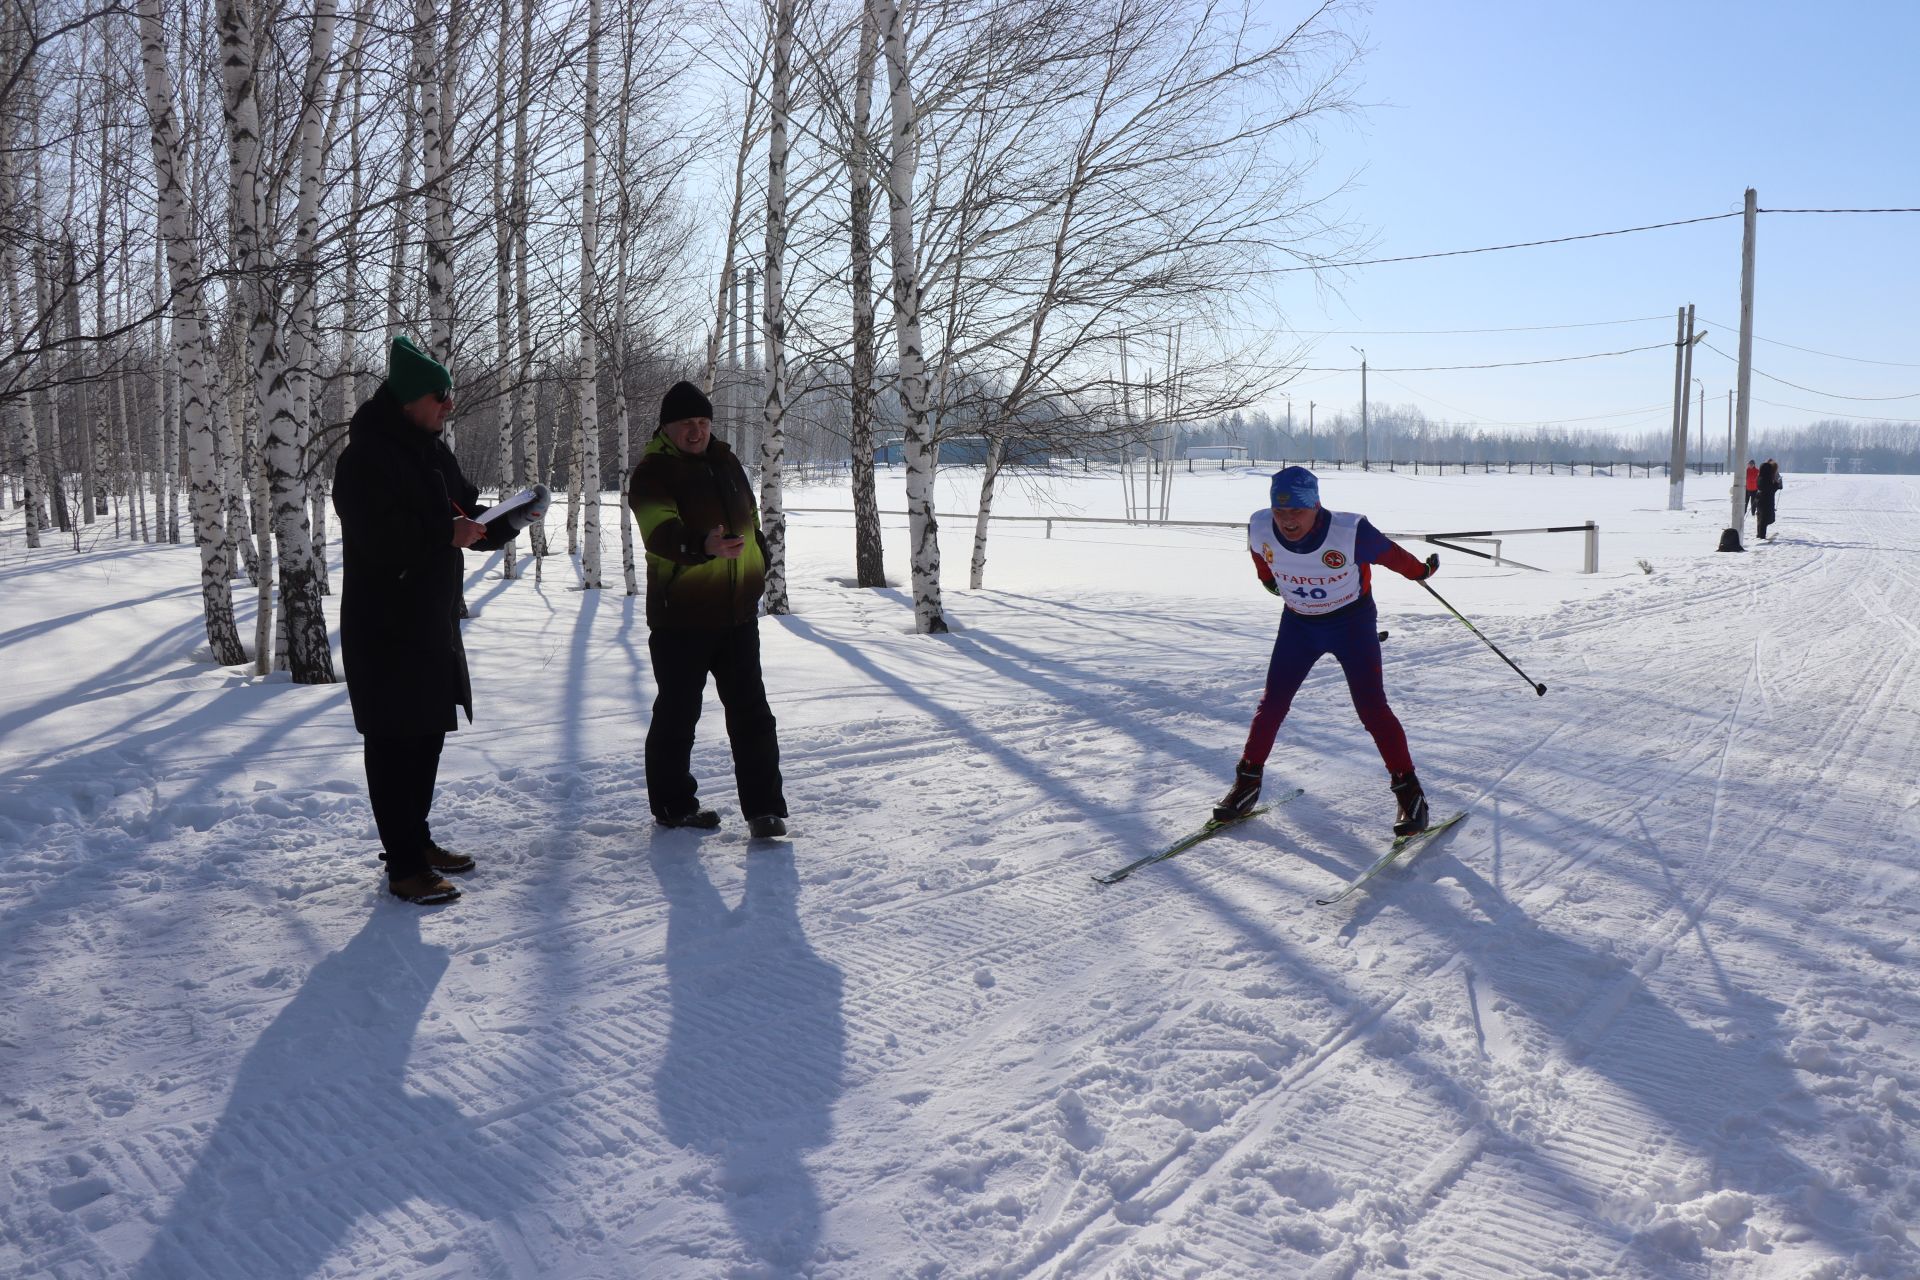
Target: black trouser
682, 660
1753, 500
400, 774
1765, 517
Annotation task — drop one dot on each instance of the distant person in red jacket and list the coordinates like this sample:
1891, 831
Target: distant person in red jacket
1753, 486
1317, 561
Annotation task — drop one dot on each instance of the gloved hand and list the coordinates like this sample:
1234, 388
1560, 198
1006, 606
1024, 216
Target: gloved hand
1433, 566
520, 517
1273, 588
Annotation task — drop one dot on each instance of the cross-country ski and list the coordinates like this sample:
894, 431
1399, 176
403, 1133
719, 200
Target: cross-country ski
1209, 829
1403, 847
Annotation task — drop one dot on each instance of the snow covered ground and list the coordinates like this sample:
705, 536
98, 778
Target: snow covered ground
1651, 1011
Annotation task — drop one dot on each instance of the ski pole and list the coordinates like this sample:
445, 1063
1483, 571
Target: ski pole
1537, 687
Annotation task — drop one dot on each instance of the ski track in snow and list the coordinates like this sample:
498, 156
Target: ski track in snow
1647, 1013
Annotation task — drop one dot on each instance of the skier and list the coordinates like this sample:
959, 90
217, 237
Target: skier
1753, 486
1317, 561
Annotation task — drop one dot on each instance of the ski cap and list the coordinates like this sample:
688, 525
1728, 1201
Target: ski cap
412, 373
1295, 487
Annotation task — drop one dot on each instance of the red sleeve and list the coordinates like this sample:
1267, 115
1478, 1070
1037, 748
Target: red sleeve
1402, 562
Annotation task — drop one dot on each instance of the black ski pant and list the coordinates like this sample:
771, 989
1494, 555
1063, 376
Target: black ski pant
683, 658
1765, 516
400, 777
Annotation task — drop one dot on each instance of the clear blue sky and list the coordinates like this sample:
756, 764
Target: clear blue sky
1489, 121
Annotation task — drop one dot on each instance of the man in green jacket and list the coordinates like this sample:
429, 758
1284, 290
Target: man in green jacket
706, 566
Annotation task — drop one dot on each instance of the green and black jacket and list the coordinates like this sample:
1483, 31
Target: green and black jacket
677, 498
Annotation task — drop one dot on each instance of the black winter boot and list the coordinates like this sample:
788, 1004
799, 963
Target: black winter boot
1241, 796
697, 818
1412, 816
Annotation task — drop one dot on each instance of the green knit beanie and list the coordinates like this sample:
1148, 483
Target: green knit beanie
412, 373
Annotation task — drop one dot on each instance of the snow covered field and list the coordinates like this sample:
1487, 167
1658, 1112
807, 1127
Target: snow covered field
1651, 1011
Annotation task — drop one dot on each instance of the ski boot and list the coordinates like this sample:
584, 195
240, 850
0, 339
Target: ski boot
1242, 796
1412, 815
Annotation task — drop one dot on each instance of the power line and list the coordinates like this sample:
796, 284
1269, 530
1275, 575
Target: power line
1814, 391
1525, 328
1496, 248
1828, 413
1833, 355
1445, 368
1480, 420
1837, 211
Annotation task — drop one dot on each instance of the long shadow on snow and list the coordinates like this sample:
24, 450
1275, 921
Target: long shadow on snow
1733, 1102
754, 1057
321, 1128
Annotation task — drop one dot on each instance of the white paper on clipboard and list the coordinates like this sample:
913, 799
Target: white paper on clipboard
507, 506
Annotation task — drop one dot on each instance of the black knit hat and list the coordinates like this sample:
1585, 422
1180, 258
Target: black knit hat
684, 400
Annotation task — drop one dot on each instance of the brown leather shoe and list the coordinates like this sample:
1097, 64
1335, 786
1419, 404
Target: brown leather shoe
424, 889
446, 861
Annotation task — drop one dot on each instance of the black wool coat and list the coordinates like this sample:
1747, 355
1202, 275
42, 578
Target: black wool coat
395, 488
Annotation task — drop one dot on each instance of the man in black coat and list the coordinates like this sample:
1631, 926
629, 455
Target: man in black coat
706, 567
1763, 496
406, 514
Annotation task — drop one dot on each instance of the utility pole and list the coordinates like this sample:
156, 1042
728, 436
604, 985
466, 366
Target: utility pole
1676, 442
1743, 410
1365, 460
1700, 427
1309, 431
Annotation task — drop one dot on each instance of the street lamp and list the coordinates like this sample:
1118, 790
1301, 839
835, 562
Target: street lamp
1365, 464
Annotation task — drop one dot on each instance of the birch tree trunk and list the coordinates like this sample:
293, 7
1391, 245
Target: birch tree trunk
923, 527
868, 545
313, 144
623, 252
189, 346
282, 418
31, 483
19, 319
773, 442
523, 295
166, 505
434, 127
587, 451
503, 283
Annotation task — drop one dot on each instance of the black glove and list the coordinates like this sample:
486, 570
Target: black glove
520, 517
1433, 566
1273, 588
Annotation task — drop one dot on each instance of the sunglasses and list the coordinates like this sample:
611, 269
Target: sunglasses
444, 397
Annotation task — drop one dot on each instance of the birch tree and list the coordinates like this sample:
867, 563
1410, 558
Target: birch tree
207, 507
868, 548
586, 460
923, 528
773, 523
503, 283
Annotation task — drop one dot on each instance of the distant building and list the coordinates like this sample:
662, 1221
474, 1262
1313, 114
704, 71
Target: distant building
1235, 451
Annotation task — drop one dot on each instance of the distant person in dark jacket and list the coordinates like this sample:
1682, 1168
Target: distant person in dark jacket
406, 514
706, 566
1764, 501
1753, 486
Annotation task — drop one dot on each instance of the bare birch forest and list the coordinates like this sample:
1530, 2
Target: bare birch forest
1025, 222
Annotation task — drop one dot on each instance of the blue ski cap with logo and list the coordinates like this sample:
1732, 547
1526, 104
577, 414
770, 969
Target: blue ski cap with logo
1295, 487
